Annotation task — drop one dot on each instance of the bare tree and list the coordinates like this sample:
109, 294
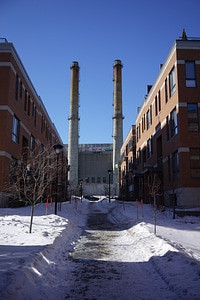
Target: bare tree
32, 178
154, 185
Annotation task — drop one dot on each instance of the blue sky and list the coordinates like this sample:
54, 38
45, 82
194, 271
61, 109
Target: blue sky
49, 34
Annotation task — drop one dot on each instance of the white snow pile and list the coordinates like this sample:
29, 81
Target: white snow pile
39, 265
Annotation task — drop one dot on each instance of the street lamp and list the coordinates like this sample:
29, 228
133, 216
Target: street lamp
57, 148
81, 184
109, 172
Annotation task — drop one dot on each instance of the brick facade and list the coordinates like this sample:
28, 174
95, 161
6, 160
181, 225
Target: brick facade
168, 129
24, 121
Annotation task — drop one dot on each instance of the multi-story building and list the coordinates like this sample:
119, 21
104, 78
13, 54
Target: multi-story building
168, 129
128, 166
24, 121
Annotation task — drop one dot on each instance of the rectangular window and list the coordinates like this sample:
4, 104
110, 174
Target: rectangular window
29, 105
192, 114
167, 127
175, 162
137, 133
190, 74
159, 101
156, 105
35, 116
172, 81
98, 180
149, 147
25, 101
15, 130
195, 162
33, 109
42, 124
32, 144
148, 119
16, 87
143, 124
20, 90
169, 167
166, 91
174, 122
104, 179
34, 113
139, 156
93, 179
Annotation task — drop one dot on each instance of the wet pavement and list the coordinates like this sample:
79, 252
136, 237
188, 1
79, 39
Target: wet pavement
94, 273
100, 268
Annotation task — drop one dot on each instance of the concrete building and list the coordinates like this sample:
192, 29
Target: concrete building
24, 121
94, 162
168, 130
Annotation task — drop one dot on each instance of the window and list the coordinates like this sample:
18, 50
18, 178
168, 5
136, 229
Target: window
25, 101
137, 133
159, 147
139, 156
144, 122
13, 171
93, 179
156, 105
32, 144
169, 167
34, 111
104, 179
20, 90
190, 74
42, 125
149, 147
174, 122
159, 101
192, 114
98, 180
172, 82
149, 117
167, 127
29, 104
16, 87
195, 162
166, 91
175, 162
15, 130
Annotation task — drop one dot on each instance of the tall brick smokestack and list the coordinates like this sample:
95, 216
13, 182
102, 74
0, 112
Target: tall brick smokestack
73, 126
117, 122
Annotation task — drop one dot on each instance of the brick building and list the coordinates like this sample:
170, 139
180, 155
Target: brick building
168, 129
24, 121
128, 166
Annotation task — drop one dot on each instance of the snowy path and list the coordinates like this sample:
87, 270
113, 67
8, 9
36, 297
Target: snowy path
98, 251
102, 266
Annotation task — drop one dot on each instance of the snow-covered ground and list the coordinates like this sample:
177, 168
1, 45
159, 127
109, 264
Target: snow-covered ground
39, 265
